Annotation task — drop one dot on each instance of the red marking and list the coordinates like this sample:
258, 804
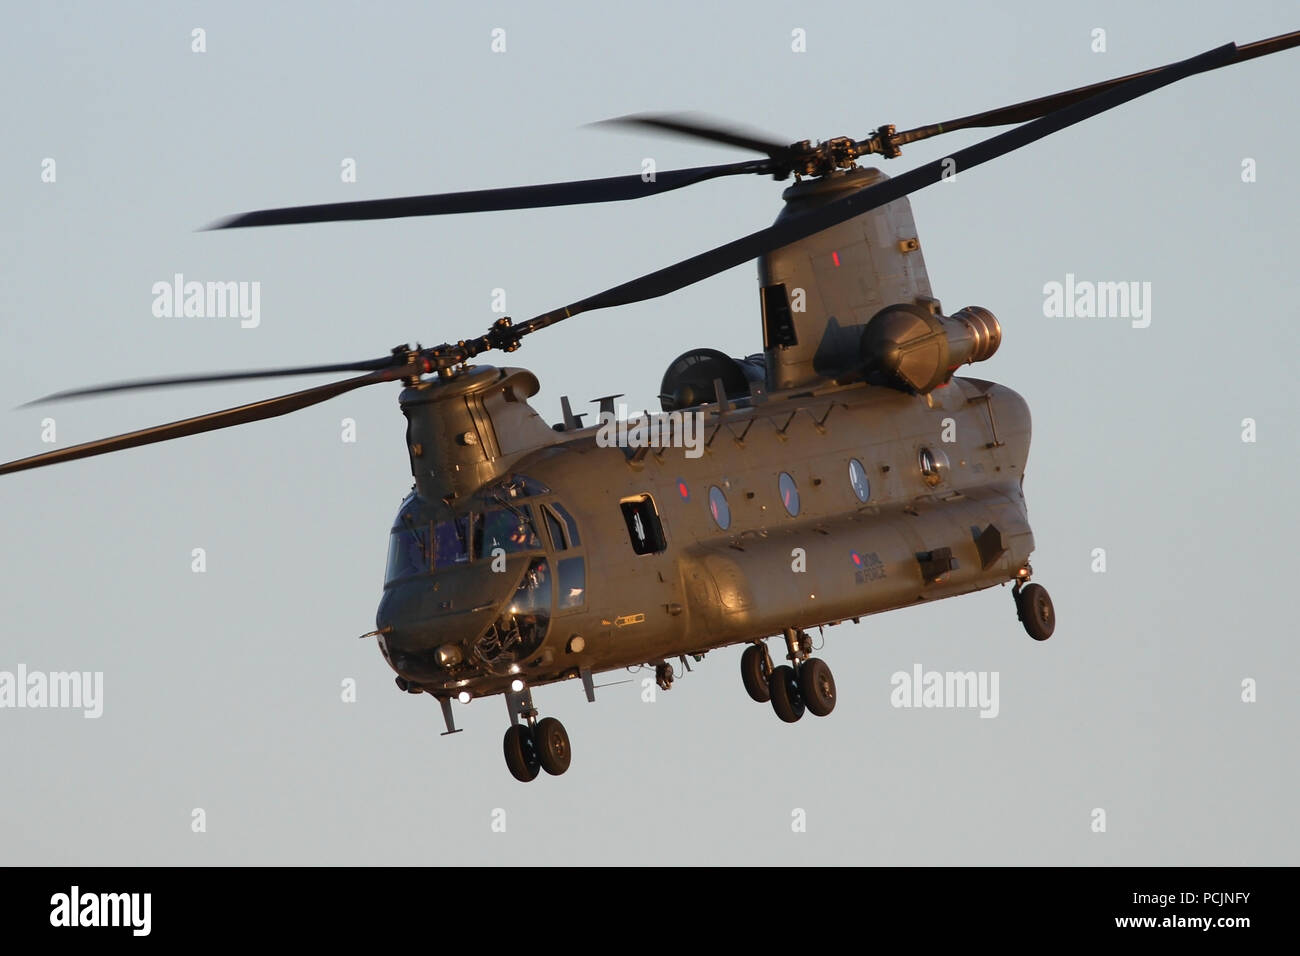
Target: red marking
683, 490
835, 258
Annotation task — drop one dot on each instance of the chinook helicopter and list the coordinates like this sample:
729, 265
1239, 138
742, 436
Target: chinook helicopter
823, 488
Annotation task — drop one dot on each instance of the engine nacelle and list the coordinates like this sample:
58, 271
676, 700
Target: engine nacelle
689, 379
906, 346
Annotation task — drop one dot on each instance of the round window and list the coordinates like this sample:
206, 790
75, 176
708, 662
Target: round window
933, 465
858, 479
718, 507
789, 494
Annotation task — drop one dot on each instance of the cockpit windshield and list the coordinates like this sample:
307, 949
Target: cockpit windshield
451, 542
498, 525
408, 553
510, 529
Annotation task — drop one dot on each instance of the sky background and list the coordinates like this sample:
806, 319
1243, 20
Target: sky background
222, 690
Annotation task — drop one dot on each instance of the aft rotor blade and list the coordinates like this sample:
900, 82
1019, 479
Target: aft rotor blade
242, 415
172, 381
689, 271
612, 189
698, 128
1035, 108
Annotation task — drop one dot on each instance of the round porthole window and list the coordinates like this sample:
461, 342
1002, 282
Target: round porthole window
789, 494
933, 464
718, 507
858, 479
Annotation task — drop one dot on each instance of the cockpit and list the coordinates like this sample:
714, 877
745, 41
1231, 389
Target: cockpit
514, 517
498, 524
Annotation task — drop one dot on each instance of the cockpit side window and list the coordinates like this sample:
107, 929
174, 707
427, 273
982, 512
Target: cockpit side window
569, 523
572, 590
554, 528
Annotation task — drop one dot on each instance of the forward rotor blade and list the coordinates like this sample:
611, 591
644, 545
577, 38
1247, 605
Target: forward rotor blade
1033, 109
243, 414
689, 271
692, 128
172, 381
612, 189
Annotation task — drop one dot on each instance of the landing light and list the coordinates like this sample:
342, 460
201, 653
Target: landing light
464, 697
516, 685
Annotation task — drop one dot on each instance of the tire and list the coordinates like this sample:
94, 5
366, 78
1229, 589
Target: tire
521, 753
754, 673
1034, 606
786, 699
552, 746
817, 686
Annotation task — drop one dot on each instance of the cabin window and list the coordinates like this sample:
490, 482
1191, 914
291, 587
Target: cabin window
719, 508
643, 527
858, 479
789, 494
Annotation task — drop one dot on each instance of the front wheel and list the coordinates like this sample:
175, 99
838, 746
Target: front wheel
553, 746
521, 753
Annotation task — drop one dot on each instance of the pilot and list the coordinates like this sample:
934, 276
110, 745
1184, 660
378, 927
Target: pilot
522, 537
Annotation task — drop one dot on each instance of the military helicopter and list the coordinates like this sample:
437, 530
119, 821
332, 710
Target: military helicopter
824, 488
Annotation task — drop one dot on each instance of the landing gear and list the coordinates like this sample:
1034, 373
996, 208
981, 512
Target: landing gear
786, 699
521, 753
534, 745
552, 746
805, 684
1034, 608
817, 686
756, 671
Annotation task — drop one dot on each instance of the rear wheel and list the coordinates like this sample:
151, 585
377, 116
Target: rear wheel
786, 699
817, 686
755, 674
1034, 606
521, 753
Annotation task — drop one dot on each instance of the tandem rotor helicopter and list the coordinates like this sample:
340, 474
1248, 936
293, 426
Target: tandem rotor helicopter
528, 554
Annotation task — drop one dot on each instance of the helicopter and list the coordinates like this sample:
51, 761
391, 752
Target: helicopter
845, 470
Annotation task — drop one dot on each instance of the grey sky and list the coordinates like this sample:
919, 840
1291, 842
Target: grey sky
222, 689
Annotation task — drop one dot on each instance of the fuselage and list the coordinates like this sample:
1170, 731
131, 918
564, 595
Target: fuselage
801, 509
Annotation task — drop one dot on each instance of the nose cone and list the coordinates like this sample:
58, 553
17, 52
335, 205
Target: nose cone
415, 622
429, 622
